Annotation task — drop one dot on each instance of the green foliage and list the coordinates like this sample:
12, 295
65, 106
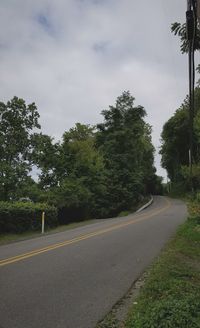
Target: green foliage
31, 189
125, 142
92, 172
18, 217
73, 200
187, 176
170, 313
109, 322
79, 156
99, 173
194, 209
170, 297
180, 30
17, 123
175, 135
124, 213
45, 156
175, 144
79, 169
157, 187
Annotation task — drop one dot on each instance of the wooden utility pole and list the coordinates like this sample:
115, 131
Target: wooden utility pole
198, 11
191, 23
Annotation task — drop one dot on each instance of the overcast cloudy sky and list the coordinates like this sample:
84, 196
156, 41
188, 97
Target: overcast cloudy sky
74, 57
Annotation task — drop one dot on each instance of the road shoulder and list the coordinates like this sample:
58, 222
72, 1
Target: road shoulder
169, 291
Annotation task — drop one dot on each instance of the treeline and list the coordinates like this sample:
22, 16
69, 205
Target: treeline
175, 146
176, 132
94, 171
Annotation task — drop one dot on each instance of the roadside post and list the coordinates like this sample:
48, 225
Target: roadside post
43, 216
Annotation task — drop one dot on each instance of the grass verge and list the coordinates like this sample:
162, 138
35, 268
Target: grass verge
12, 237
170, 297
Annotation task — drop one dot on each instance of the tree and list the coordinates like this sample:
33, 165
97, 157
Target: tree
175, 143
124, 140
45, 156
180, 30
80, 172
175, 135
18, 122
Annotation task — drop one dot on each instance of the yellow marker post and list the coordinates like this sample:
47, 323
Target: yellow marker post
43, 215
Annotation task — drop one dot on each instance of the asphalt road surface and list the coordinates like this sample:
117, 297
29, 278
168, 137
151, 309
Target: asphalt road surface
72, 279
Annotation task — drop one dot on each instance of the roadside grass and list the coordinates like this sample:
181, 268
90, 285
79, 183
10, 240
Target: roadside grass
12, 237
124, 213
170, 297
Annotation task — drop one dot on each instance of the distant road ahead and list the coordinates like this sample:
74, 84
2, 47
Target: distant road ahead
72, 279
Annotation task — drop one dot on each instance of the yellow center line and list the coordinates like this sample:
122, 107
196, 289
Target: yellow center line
80, 238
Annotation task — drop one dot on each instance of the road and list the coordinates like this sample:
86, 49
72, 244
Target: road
72, 279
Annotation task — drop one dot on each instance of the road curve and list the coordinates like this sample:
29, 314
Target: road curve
72, 279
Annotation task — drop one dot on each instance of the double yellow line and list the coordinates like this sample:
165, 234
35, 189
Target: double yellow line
80, 238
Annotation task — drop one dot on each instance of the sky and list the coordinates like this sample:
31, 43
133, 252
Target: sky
73, 58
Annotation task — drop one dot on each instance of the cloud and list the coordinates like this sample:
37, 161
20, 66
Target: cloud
45, 23
74, 57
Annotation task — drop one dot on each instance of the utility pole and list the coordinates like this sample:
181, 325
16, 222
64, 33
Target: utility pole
198, 11
191, 24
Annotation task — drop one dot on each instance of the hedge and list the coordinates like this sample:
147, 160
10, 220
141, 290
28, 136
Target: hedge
17, 217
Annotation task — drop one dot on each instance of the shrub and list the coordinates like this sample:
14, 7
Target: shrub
17, 217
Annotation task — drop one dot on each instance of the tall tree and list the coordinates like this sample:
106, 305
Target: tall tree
18, 123
124, 140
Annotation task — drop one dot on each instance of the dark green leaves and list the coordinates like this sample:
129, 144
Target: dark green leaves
92, 172
180, 30
17, 123
124, 140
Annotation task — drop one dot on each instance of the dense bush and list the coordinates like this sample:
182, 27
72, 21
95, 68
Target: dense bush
19, 217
